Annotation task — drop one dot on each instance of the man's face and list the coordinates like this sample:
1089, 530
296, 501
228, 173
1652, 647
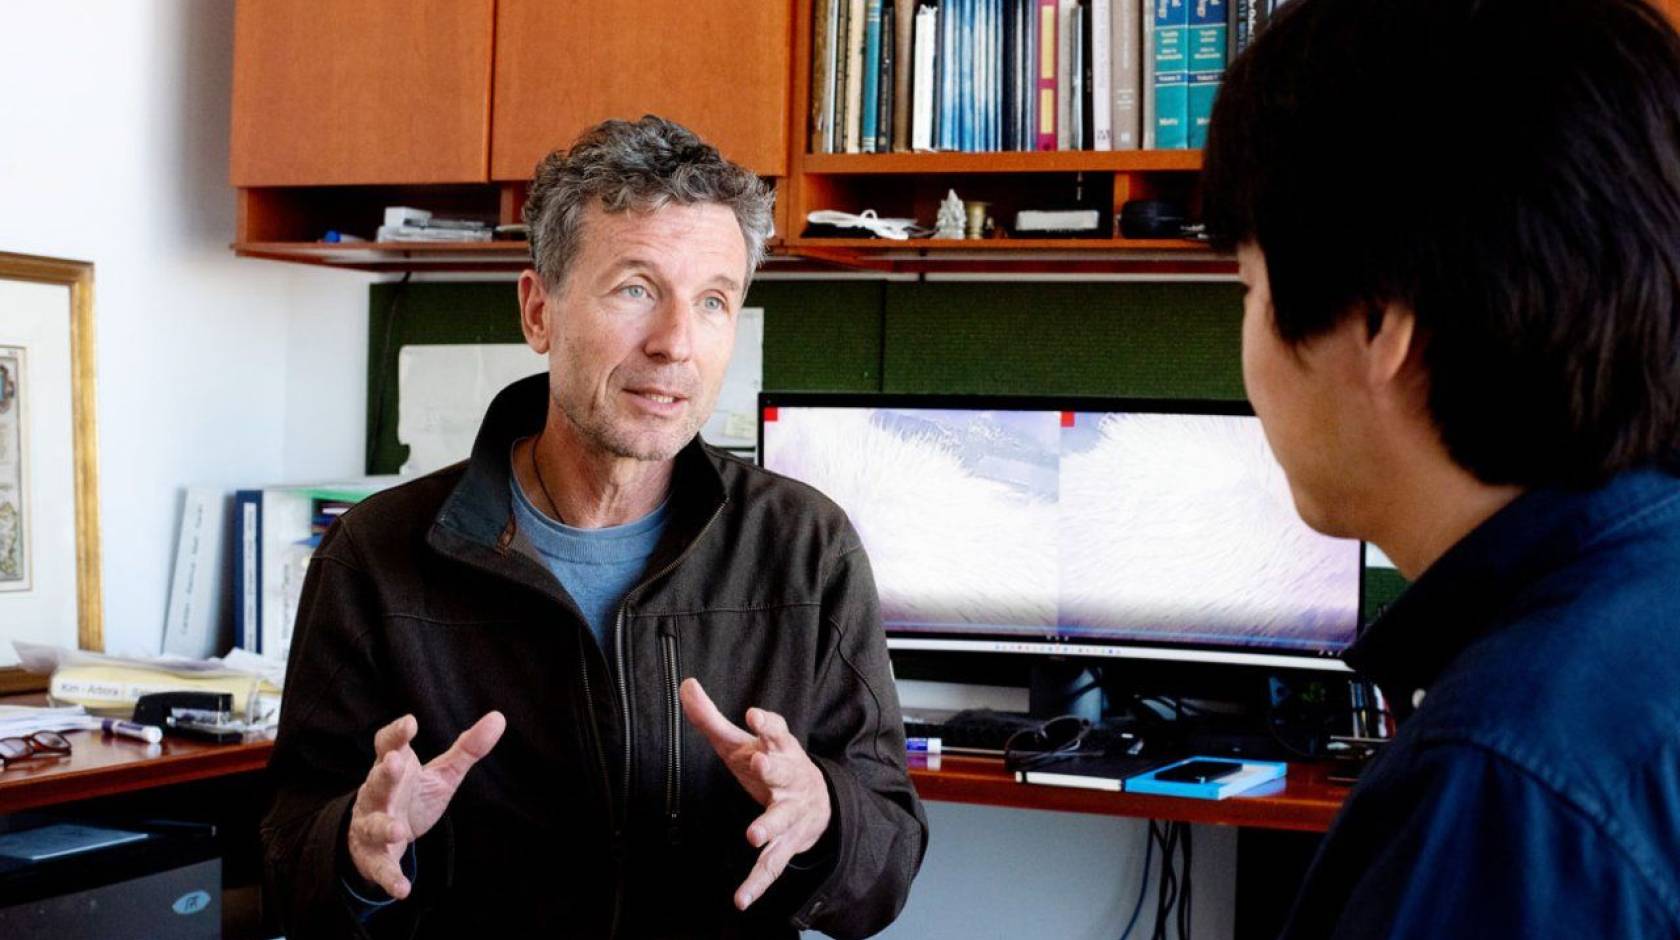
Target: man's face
1306, 397
642, 328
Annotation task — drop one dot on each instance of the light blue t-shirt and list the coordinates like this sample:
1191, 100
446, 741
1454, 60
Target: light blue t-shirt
596, 566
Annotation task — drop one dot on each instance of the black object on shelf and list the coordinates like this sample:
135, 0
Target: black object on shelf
1153, 218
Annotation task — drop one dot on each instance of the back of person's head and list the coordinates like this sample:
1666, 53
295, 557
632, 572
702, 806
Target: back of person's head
1508, 170
636, 166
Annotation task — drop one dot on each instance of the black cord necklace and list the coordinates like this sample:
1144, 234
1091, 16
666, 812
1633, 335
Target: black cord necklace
537, 469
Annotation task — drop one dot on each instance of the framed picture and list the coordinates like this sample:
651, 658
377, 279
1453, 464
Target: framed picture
49, 484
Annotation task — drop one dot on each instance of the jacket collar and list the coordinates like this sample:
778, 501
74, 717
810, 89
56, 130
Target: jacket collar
478, 515
1459, 598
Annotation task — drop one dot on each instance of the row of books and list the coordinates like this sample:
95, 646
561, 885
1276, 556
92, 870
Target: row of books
989, 75
243, 559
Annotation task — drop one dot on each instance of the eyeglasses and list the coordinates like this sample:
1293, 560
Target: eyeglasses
1031, 747
39, 744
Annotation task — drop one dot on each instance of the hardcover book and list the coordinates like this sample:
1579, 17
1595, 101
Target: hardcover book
1209, 52
1171, 23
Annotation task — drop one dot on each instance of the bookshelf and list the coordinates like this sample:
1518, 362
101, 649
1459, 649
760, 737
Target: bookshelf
912, 184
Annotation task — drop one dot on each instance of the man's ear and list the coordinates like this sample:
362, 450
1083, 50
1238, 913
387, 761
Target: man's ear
534, 312
1390, 349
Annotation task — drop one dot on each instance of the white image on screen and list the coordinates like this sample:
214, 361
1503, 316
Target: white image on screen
1179, 523
946, 546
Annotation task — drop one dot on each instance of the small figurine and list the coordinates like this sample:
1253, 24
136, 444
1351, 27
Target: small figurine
949, 223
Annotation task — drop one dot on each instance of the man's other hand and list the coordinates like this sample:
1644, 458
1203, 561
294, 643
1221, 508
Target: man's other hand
774, 769
402, 799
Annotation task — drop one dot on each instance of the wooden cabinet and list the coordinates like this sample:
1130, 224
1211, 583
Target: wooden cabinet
361, 92
719, 67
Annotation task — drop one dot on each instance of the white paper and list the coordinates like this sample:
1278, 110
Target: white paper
734, 422
19, 720
443, 392
45, 660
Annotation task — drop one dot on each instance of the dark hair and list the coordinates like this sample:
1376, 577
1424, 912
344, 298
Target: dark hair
1509, 170
636, 166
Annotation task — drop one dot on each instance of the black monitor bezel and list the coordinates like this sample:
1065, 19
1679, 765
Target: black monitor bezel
1057, 646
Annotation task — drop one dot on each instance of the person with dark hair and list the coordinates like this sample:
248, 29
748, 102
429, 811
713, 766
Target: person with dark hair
1458, 227
599, 680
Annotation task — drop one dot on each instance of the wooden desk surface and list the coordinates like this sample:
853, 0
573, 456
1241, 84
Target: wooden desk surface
102, 765
1304, 801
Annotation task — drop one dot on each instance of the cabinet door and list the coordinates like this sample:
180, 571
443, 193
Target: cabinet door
361, 91
718, 67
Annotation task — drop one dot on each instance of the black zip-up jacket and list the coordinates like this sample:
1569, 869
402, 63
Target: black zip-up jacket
600, 812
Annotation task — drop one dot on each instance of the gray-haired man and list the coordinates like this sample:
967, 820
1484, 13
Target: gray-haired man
525, 648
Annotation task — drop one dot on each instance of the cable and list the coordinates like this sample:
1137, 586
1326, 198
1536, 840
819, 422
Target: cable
1184, 892
1143, 888
1166, 895
379, 387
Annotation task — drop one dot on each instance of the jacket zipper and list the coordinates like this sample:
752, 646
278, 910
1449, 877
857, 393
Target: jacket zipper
618, 645
623, 685
673, 767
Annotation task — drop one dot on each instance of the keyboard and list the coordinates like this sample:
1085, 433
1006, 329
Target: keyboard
971, 731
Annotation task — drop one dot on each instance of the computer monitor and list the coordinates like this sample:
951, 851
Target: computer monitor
1101, 528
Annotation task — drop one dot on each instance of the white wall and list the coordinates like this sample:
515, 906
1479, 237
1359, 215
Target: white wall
993, 872
211, 369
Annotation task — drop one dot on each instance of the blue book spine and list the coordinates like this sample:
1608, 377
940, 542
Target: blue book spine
1029, 75
945, 119
871, 73
966, 86
247, 569
1000, 62
1172, 109
1209, 51
982, 75
954, 79
988, 95
1240, 17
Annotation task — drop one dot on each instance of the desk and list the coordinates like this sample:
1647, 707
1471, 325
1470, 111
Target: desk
226, 777
101, 765
104, 765
1304, 801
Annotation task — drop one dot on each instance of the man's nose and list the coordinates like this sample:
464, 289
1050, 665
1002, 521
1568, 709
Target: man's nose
671, 334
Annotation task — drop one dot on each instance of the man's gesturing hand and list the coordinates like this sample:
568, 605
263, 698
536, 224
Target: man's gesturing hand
402, 799
771, 765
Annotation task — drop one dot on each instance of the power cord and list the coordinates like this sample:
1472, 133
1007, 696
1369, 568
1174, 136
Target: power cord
380, 384
1173, 890
1143, 888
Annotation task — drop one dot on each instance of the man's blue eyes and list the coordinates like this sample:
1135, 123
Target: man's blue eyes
638, 292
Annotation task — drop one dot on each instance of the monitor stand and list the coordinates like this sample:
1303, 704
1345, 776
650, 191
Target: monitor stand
1064, 687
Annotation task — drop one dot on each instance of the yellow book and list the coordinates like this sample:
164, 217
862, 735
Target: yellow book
113, 690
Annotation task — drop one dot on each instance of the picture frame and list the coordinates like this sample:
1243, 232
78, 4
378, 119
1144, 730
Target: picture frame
49, 478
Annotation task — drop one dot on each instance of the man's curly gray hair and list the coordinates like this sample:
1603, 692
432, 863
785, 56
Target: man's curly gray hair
636, 167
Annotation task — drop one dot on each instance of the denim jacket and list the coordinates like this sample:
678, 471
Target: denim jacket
1534, 789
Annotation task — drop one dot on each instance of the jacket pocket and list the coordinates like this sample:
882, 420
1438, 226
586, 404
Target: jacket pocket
673, 739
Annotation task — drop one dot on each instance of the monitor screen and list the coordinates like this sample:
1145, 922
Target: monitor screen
1156, 529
